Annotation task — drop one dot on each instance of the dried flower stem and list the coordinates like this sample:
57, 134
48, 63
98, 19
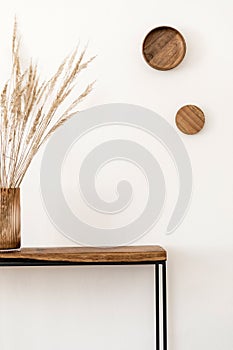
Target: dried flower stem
30, 110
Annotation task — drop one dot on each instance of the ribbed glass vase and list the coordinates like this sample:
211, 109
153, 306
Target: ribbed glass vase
10, 231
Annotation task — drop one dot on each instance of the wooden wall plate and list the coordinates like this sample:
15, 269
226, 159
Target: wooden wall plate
164, 48
190, 119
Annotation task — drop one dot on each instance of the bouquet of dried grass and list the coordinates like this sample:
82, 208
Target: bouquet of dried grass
30, 110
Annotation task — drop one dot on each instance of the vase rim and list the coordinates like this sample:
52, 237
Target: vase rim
9, 188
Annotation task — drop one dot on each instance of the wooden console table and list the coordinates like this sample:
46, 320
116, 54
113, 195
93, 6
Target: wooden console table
153, 255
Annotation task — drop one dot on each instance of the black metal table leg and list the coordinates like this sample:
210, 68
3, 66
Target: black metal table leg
164, 278
161, 344
157, 309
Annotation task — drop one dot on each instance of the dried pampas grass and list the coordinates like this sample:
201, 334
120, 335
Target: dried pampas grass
30, 110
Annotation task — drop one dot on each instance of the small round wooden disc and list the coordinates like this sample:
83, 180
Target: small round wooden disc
190, 119
164, 48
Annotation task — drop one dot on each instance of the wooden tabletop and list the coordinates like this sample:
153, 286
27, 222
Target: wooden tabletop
84, 255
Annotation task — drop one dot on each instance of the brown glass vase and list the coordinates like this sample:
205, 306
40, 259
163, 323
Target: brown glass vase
10, 231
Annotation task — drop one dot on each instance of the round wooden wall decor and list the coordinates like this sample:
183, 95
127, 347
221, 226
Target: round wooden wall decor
164, 48
190, 119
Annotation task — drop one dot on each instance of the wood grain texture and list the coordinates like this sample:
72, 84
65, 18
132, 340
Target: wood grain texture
190, 119
10, 237
164, 48
90, 255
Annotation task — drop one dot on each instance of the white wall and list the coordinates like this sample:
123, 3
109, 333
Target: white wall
90, 308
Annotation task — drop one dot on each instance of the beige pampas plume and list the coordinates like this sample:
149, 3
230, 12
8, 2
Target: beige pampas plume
30, 109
